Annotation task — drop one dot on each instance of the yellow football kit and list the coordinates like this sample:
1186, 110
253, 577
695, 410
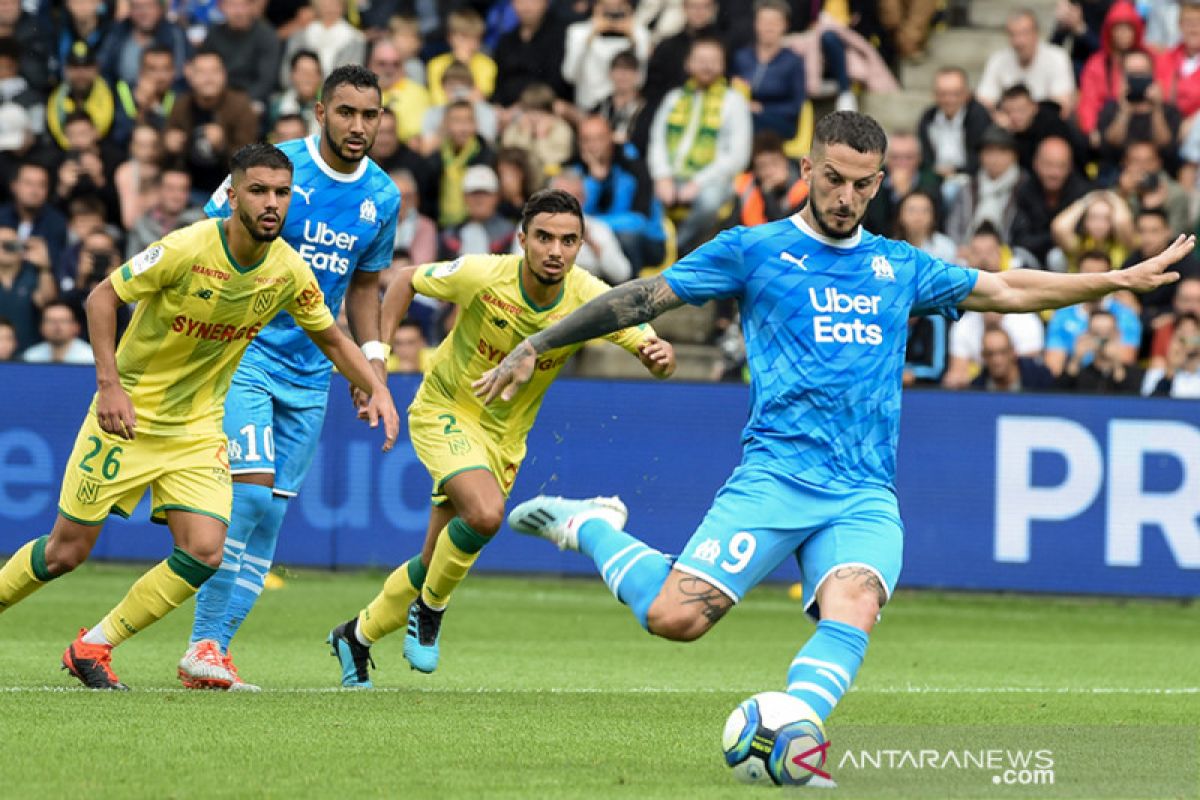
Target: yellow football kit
450, 428
197, 311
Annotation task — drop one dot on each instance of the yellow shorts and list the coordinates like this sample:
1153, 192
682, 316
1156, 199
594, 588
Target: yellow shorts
107, 474
449, 444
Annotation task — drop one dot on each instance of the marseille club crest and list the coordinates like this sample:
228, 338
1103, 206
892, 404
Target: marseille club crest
366, 212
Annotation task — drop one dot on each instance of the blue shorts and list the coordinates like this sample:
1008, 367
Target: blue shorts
273, 427
760, 518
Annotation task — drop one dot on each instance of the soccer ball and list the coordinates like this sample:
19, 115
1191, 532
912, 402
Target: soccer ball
774, 738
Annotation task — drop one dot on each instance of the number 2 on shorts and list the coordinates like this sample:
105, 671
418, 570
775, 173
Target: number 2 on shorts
451, 424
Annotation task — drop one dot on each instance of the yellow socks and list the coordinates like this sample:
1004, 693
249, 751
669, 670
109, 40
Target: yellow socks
389, 610
458, 546
154, 595
24, 573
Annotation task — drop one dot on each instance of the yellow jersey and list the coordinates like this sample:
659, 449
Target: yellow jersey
495, 315
197, 311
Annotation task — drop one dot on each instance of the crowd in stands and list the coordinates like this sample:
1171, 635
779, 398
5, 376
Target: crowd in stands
668, 119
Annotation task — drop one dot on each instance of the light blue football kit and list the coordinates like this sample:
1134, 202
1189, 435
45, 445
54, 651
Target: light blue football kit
339, 223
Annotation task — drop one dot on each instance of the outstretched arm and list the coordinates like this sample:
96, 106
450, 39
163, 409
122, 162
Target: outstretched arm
625, 306
1034, 290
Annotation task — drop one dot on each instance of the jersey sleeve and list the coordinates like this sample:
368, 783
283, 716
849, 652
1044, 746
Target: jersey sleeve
149, 272
941, 286
218, 203
307, 305
628, 338
457, 281
379, 255
715, 269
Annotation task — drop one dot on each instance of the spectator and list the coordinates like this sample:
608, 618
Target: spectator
1031, 123
8, 341
1103, 77
404, 33
666, 68
31, 214
547, 138
834, 54
60, 338
464, 32
601, 253
73, 21
662, 17
416, 234
517, 181
1179, 376
774, 74
21, 25
89, 166
1186, 302
1154, 234
901, 174
335, 41
458, 84
14, 88
1069, 323
1026, 333
1175, 69
19, 144
483, 230
625, 109
951, 130
910, 22
591, 45
1043, 195
171, 209
461, 147
291, 126
1077, 29
989, 195
773, 188
700, 141
1099, 362
1043, 67
1139, 114
1005, 371
408, 100
249, 48
209, 122
1100, 220
301, 97
1143, 183
390, 153
925, 351
409, 349
532, 52
149, 101
26, 283
83, 91
135, 178
120, 55
916, 223
85, 216
1162, 24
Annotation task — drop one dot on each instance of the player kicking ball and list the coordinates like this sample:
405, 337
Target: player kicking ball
825, 308
473, 451
343, 222
202, 293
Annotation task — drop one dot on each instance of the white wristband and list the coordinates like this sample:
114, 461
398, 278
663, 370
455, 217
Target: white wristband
376, 351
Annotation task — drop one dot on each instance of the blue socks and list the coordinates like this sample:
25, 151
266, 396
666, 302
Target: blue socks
256, 563
634, 572
250, 504
825, 667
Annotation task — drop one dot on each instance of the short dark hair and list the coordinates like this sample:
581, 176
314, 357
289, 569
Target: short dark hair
988, 228
85, 204
354, 75
259, 154
58, 302
767, 142
157, 50
857, 131
299, 54
78, 116
1095, 255
708, 39
208, 50
549, 201
1016, 90
10, 48
462, 102
627, 59
1160, 213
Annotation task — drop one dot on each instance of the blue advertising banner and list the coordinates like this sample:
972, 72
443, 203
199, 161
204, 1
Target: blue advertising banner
1044, 493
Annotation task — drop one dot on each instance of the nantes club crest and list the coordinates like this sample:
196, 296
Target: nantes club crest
263, 301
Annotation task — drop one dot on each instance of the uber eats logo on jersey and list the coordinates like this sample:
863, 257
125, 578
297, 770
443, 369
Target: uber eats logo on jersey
321, 243
829, 327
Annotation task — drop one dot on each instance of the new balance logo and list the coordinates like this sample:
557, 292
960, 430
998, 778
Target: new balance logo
791, 259
204, 294
305, 193
500, 322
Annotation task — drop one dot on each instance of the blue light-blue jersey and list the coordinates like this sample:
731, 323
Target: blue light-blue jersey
339, 223
826, 324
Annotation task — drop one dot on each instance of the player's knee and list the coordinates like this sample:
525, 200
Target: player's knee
62, 557
676, 623
207, 554
853, 603
485, 520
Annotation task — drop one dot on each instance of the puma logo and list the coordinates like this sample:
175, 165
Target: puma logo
305, 193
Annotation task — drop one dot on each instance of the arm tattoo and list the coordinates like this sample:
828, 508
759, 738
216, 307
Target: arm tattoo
865, 578
625, 306
714, 604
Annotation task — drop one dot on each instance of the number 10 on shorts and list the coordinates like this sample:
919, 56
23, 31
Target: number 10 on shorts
247, 447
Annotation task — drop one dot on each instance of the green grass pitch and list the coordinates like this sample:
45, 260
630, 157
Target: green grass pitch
548, 689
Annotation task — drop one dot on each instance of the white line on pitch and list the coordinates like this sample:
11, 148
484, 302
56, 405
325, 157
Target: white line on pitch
1072, 690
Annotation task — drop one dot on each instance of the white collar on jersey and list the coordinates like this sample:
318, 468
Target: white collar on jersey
844, 244
314, 150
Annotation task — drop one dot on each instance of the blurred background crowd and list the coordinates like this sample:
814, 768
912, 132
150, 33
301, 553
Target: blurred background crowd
1068, 144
